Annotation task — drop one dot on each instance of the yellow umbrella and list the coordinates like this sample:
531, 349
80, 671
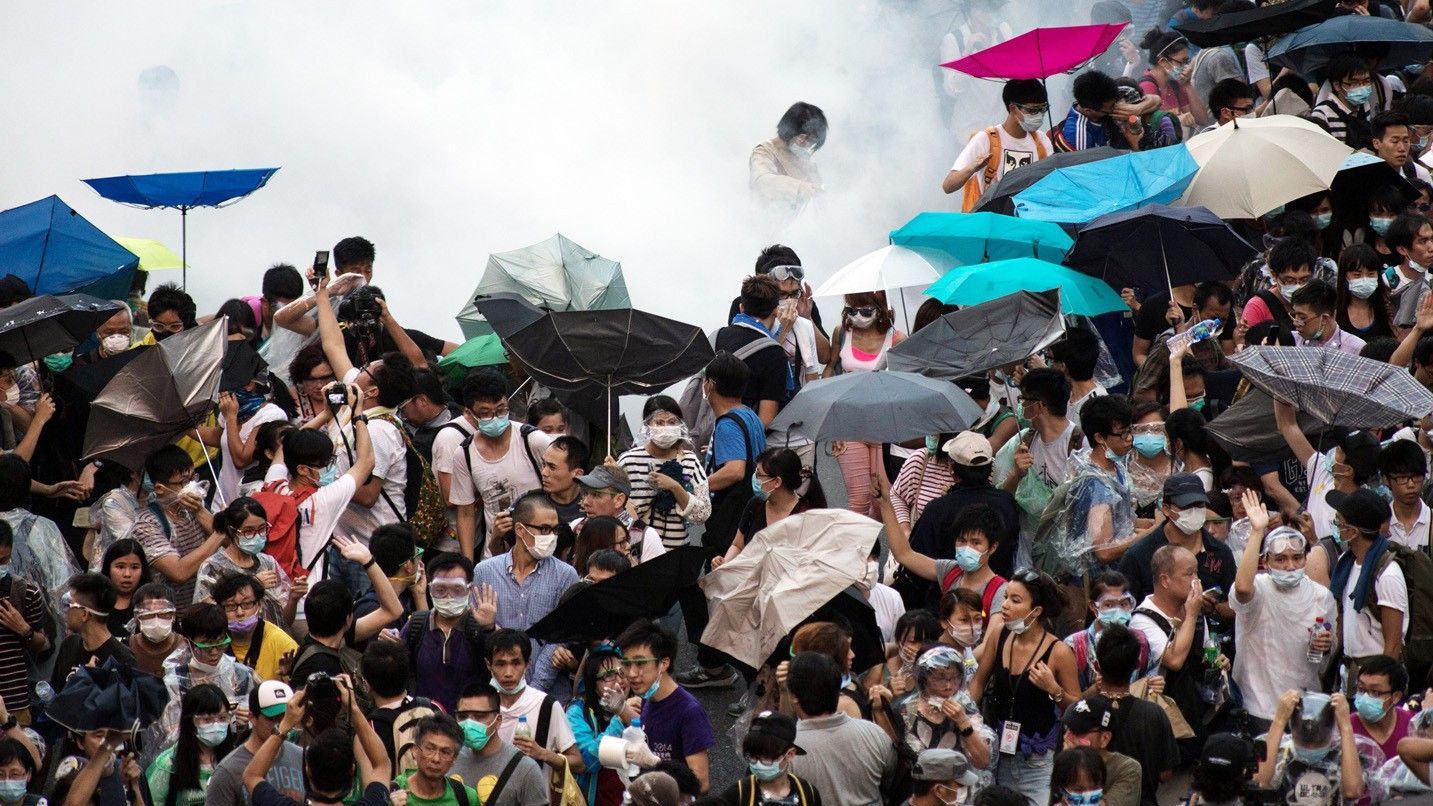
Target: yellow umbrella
153, 255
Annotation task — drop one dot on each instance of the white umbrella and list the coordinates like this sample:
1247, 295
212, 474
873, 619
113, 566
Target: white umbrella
886, 268
1249, 167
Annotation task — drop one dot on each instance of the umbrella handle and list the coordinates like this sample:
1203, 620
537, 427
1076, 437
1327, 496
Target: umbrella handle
218, 493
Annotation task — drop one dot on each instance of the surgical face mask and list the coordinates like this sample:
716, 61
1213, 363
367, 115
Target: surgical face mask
1322, 220
475, 734
860, 322
665, 436
12, 393
157, 630
1358, 96
1114, 615
1175, 73
204, 668
494, 426
13, 791
1149, 445
450, 606
968, 558
804, 152
1286, 580
757, 490
1417, 267
4, 570
1380, 224
213, 735
765, 770
1363, 287
244, 626
1369, 707
1421, 144
1118, 458
1091, 798
1190, 520
329, 475
1020, 627
115, 342
932, 444
652, 689
1312, 755
254, 545
517, 689
1287, 290
967, 634
542, 546
1032, 123
59, 362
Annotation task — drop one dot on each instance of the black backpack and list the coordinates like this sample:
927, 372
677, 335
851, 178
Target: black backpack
473, 633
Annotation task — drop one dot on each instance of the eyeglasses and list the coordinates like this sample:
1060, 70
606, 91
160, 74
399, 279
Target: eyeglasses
1026, 575
239, 608
160, 327
438, 752
217, 646
257, 531
1118, 434
543, 529
783, 273
608, 674
1402, 478
630, 663
864, 310
1371, 692
494, 413
1422, 207
791, 294
449, 589
1243, 110
321, 379
1038, 109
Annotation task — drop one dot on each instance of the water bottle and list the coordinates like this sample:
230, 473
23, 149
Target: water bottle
522, 729
1200, 332
634, 735
44, 692
1319, 628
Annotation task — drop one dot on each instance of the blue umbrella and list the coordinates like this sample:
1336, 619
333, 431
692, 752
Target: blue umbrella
182, 192
959, 239
1085, 192
56, 251
1308, 49
1079, 293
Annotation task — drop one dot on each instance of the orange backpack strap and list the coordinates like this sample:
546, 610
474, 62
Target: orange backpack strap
974, 190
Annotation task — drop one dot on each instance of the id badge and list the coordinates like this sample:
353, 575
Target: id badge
1010, 737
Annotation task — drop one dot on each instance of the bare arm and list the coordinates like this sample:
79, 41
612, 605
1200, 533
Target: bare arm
1391, 622
900, 543
1416, 753
389, 608
1288, 423
1249, 561
330, 335
179, 568
1403, 356
699, 765
378, 769
401, 339
728, 474
1178, 648
291, 316
362, 445
44, 410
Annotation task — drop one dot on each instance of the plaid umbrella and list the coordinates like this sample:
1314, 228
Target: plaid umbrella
1336, 388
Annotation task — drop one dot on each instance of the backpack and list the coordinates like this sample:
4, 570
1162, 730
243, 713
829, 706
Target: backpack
697, 412
1276, 308
1417, 569
1182, 686
746, 791
729, 504
281, 508
349, 660
974, 190
1048, 552
1358, 131
397, 726
472, 632
986, 598
423, 501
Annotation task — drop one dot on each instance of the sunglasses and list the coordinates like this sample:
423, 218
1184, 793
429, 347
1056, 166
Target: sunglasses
861, 311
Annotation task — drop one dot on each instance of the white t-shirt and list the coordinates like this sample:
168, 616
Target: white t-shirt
529, 704
1052, 458
448, 445
1320, 485
1416, 537
318, 516
229, 474
1362, 632
390, 463
1271, 640
512, 475
1073, 412
1153, 635
889, 608
1014, 153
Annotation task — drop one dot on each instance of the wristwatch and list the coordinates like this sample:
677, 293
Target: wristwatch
360, 418
966, 732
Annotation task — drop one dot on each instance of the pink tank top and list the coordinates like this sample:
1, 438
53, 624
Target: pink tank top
854, 360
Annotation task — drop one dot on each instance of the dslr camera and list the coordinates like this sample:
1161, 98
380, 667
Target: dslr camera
337, 396
361, 312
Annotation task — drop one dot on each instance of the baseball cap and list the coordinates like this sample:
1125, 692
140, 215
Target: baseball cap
943, 765
777, 725
969, 448
1363, 508
1185, 490
1088, 714
274, 697
654, 789
603, 478
1226, 751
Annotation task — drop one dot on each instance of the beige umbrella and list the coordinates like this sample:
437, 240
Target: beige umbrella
784, 574
1249, 167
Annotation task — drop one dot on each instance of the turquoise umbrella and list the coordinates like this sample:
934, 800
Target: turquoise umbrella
960, 239
972, 285
1082, 193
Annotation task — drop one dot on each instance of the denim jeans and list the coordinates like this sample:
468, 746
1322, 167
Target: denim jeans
1030, 776
350, 572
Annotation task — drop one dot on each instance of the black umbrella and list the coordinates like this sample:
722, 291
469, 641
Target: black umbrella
1128, 249
991, 334
1271, 19
506, 312
241, 365
848, 609
43, 325
620, 351
1247, 431
1362, 174
605, 609
1000, 197
115, 696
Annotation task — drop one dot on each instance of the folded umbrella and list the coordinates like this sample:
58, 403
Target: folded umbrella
556, 274
1249, 167
1039, 53
606, 608
981, 337
1000, 197
43, 325
786, 572
883, 406
1081, 193
1336, 388
1308, 49
113, 696
1079, 293
1159, 245
964, 238
480, 351
886, 268
1270, 19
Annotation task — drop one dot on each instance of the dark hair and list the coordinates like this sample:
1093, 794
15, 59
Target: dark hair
870, 299
591, 666
776, 255
124, 547
1403, 231
1344, 65
385, 667
687, 782
269, 438
507, 640
305, 447
575, 450
1214, 290
478, 687
484, 385
1402, 457
802, 118
657, 403
1380, 348
1107, 581
827, 637
783, 464
956, 597
1048, 386
1363, 256
727, 373
429, 384
111, 475
1383, 121
393, 544
1224, 93
447, 561
229, 585
441, 724
328, 763
661, 641
609, 560
980, 518
239, 510
205, 698
1158, 44
1417, 107
1044, 594
170, 297
1422, 354
1318, 295
1117, 652
241, 319
202, 620
282, 281
394, 377
545, 407
327, 606
929, 311
1026, 91
1102, 415
1291, 253
153, 590
597, 533
1270, 334
920, 621
304, 362
15, 481
97, 589
1385, 666
759, 295
11, 750
1073, 764
1001, 795
168, 462
1093, 89
352, 251
814, 680
1079, 351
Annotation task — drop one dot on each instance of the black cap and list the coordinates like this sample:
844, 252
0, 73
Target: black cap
1089, 714
1227, 752
1363, 508
777, 725
1185, 490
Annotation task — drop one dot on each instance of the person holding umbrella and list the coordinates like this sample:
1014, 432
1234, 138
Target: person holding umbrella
1014, 142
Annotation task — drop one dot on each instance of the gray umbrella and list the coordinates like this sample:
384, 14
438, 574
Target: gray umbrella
1248, 433
981, 337
1335, 387
883, 406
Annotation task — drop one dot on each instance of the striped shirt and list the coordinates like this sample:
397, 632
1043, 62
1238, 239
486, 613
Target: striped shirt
1335, 115
170, 537
14, 671
922, 479
671, 525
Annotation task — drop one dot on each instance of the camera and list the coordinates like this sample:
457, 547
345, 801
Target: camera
362, 313
337, 396
321, 688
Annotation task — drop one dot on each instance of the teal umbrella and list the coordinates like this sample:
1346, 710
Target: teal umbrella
1130, 181
972, 285
960, 239
554, 275
481, 351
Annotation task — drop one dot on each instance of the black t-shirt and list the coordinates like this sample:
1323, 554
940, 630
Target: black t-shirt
319, 661
815, 315
769, 369
119, 619
1141, 730
1150, 321
72, 653
375, 794
430, 345
1216, 564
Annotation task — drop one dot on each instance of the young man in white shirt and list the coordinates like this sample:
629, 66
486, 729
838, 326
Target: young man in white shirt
1374, 610
1017, 141
545, 738
1404, 468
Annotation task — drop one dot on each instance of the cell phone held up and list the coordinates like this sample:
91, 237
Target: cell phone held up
320, 266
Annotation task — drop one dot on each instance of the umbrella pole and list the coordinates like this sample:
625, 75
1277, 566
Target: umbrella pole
1165, 260
609, 416
218, 493
184, 247
905, 311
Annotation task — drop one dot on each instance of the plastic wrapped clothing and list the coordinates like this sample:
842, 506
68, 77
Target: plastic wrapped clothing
1099, 510
111, 518
283, 344
1031, 495
41, 554
233, 678
779, 179
1146, 483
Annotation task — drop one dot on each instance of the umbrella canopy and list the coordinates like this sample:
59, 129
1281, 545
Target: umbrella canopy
42, 325
1360, 175
113, 695
786, 572
886, 268
1336, 388
884, 406
1080, 193
556, 274
1079, 293
1308, 49
483, 351
851, 610
504, 313
56, 251
965, 238
1000, 197
1159, 245
1248, 433
981, 337
1249, 167
605, 609
153, 255
1040, 53
157, 396
1271, 19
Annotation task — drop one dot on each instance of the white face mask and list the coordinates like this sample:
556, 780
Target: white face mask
1190, 520
665, 436
860, 322
1032, 123
12, 393
450, 606
1363, 287
1287, 291
542, 546
967, 635
115, 342
157, 630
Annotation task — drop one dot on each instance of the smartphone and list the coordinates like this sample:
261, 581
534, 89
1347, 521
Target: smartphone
320, 265
1217, 592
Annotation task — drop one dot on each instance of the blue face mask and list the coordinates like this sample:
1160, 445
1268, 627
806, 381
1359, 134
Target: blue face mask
1380, 224
932, 444
846, 680
1358, 96
1118, 459
757, 490
967, 558
475, 734
329, 475
1312, 755
1115, 615
1149, 445
13, 791
494, 426
1323, 220
1382, 491
4, 570
652, 689
1370, 708
1091, 798
765, 770
253, 546
1336, 534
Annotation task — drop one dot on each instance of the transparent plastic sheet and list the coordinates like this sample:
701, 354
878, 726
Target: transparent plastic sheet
1096, 500
41, 556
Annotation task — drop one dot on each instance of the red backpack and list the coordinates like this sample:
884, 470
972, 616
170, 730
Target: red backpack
986, 598
281, 507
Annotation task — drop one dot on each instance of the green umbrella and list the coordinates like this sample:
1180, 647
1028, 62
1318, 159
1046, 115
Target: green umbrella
972, 285
482, 351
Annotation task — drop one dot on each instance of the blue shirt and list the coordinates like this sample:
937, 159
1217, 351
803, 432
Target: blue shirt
1080, 133
727, 442
522, 605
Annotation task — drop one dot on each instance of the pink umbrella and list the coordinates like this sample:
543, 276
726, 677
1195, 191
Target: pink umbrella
1040, 53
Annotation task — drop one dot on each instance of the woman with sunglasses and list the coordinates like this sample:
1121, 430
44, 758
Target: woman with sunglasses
245, 527
1362, 296
866, 332
592, 714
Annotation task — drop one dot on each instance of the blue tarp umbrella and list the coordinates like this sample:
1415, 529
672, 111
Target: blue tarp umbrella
182, 192
56, 251
1085, 192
